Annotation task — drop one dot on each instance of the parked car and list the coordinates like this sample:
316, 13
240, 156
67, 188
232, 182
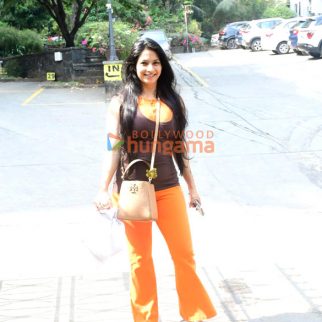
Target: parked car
276, 38
160, 37
227, 35
249, 36
310, 39
293, 37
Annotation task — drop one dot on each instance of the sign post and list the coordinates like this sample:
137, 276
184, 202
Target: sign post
112, 67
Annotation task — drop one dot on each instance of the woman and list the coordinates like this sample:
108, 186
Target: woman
148, 76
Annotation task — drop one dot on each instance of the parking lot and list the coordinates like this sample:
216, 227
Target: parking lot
257, 246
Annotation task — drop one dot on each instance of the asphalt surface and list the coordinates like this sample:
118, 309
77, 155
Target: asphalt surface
257, 246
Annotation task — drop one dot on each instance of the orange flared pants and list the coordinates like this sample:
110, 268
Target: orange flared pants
194, 302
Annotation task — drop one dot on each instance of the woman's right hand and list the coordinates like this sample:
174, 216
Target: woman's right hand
103, 200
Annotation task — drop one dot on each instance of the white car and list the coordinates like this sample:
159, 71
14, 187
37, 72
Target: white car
276, 39
250, 35
310, 39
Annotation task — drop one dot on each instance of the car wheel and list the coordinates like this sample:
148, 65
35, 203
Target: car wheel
256, 45
282, 48
231, 44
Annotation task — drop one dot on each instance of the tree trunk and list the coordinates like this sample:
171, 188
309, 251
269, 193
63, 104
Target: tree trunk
70, 41
68, 28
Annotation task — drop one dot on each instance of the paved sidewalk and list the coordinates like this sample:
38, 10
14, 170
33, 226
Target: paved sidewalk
252, 274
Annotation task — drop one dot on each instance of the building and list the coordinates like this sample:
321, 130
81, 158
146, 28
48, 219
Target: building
306, 7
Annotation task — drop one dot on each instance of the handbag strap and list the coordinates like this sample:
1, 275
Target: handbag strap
152, 172
133, 162
156, 132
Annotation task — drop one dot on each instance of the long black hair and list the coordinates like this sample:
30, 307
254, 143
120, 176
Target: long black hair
166, 91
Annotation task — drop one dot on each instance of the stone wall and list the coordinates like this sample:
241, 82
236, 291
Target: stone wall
77, 64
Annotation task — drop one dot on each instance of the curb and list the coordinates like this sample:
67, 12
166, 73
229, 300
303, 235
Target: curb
198, 79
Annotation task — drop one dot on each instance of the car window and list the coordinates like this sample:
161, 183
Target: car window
269, 24
307, 23
319, 21
277, 23
290, 25
246, 26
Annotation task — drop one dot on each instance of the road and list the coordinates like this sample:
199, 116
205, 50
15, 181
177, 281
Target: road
257, 246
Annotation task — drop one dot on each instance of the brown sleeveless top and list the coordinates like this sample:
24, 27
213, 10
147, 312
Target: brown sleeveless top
139, 146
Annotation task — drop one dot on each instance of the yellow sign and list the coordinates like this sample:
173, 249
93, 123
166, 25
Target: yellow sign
112, 71
51, 76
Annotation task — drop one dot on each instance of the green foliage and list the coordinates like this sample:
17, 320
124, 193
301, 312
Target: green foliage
194, 41
206, 18
19, 42
194, 28
279, 11
160, 18
125, 36
94, 35
98, 13
239, 10
26, 14
130, 11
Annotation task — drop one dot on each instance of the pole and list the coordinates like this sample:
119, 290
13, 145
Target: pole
186, 23
113, 56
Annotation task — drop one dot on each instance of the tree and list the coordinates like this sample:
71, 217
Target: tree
279, 11
25, 15
69, 15
239, 10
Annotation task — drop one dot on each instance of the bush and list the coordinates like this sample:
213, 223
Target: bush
279, 11
194, 28
55, 42
194, 41
18, 42
125, 36
94, 35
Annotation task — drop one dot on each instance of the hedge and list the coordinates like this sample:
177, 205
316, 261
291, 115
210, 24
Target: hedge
18, 42
94, 35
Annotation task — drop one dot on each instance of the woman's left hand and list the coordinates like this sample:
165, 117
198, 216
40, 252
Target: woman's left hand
194, 196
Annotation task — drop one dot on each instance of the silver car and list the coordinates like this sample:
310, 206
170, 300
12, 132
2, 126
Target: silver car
160, 37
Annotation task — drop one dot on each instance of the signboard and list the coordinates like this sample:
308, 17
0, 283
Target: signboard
51, 76
112, 71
